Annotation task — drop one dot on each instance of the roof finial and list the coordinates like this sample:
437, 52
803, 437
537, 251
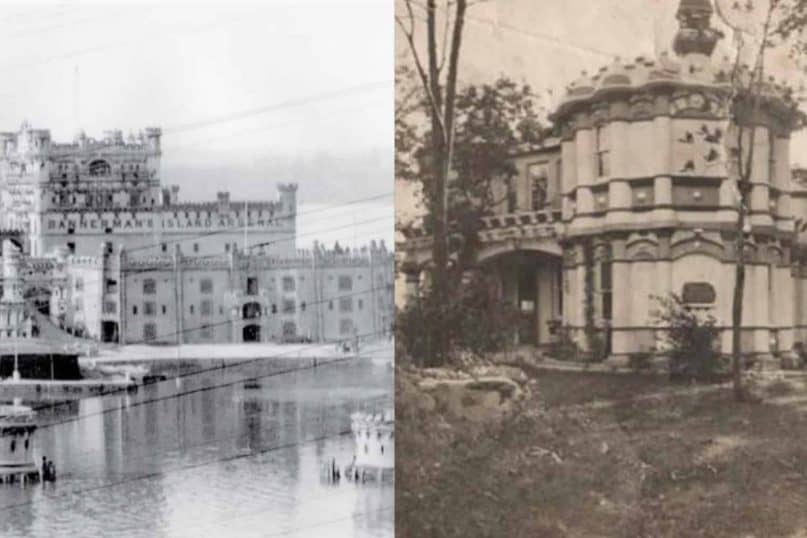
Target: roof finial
695, 34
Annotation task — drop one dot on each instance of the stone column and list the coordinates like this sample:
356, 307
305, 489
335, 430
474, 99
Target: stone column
621, 298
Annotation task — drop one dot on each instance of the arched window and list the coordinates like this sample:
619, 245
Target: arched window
100, 168
13, 445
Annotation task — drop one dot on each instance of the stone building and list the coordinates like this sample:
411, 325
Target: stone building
81, 194
95, 247
636, 196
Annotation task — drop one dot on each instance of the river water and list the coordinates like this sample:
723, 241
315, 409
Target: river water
209, 455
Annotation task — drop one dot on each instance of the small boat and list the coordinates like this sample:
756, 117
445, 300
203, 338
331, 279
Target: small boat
17, 429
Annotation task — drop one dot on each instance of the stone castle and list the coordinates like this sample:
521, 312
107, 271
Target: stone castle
95, 246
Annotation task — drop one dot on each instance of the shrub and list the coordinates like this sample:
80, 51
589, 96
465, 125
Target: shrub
691, 340
472, 319
640, 361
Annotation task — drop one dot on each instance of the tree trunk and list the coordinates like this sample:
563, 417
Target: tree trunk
737, 310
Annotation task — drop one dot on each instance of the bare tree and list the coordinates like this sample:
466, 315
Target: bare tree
744, 110
438, 76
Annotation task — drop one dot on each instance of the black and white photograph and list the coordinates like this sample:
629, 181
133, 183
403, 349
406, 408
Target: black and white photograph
600, 256
197, 288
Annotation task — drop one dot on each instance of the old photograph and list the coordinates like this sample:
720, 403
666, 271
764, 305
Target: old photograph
600, 282
197, 286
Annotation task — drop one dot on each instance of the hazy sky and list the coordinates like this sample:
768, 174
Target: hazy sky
548, 43
306, 86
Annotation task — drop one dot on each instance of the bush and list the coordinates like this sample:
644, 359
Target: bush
472, 319
565, 348
691, 340
640, 361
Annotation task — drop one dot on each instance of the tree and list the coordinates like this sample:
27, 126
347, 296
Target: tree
440, 95
493, 121
754, 38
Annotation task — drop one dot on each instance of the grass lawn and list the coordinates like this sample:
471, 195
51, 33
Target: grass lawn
595, 454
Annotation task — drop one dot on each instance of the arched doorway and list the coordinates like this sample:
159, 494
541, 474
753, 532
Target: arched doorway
532, 283
252, 333
39, 299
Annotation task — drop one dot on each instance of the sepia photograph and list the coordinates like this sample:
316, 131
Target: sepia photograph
197, 286
600, 251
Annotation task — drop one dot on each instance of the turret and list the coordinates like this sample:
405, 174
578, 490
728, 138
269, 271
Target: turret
223, 199
12, 288
288, 197
153, 135
7, 143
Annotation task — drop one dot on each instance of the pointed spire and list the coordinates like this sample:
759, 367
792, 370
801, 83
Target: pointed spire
695, 34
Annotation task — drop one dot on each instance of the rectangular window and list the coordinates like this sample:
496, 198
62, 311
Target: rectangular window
252, 286
361, 304
164, 247
288, 283
289, 329
512, 196
164, 309
206, 285
346, 304
110, 307
345, 327
149, 332
603, 152
78, 305
149, 286
192, 309
79, 284
149, 308
345, 283
288, 307
206, 308
111, 286
196, 247
134, 310
538, 174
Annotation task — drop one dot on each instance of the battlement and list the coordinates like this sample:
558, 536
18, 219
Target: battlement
28, 141
303, 259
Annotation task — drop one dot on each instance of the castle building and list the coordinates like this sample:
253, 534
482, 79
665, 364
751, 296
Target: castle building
95, 247
636, 196
81, 194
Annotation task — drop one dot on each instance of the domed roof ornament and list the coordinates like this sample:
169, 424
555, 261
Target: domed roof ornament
695, 34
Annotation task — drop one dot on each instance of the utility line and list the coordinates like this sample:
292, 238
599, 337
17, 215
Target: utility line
296, 350
156, 474
289, 103
192, 466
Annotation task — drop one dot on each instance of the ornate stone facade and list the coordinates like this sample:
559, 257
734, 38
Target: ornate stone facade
95, 247
647, 191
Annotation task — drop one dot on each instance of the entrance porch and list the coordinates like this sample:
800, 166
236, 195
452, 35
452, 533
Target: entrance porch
530, 281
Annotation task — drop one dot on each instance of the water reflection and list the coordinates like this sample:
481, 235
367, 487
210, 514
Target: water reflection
197, 449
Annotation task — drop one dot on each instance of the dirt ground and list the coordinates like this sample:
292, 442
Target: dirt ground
596, 454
